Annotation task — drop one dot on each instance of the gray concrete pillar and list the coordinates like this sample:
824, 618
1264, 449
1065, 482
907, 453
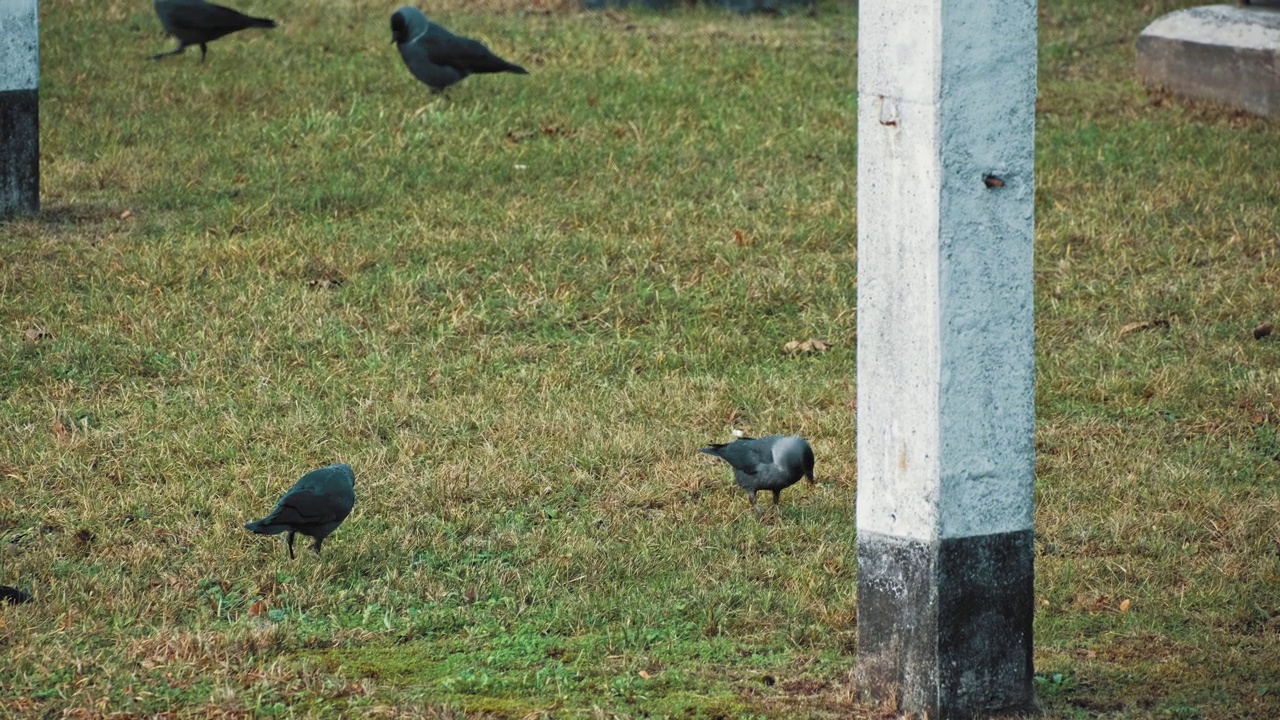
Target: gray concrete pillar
946, 366
19, 107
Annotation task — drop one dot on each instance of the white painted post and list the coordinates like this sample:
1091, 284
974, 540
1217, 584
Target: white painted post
946, 366
19, 107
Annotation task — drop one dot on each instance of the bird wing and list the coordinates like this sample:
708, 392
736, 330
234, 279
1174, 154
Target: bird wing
748, 456
307, 507
445, 48
419, 63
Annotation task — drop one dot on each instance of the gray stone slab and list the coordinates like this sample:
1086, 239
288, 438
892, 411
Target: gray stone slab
1221, 53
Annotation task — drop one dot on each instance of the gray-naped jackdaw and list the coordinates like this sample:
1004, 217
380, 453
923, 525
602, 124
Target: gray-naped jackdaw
315, 506
771, 463
196, 22
436, 56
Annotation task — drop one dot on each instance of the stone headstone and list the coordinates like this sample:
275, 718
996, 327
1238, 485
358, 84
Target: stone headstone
1221, 53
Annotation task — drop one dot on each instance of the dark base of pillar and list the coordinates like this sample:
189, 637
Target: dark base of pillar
19, 152
945, 627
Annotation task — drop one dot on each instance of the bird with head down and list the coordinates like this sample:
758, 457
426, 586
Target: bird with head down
772, 463
315, 506
439, 58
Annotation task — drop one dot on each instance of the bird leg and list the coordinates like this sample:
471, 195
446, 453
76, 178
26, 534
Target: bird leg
776, 495
178, 51
752, 495
203, 49
315, 547
289, 542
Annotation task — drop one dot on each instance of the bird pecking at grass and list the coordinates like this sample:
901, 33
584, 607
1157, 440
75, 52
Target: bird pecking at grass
315, 506
772, 463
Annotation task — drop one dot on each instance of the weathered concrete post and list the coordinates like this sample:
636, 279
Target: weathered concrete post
19, 107
946, 366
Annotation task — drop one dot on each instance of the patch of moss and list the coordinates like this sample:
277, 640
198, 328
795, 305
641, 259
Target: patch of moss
522, 672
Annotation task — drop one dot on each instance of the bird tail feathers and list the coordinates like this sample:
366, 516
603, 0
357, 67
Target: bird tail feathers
262, 22
262, 527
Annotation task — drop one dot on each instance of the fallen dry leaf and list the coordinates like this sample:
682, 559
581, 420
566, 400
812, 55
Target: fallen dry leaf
739, 238
36, 333
1262, 330
60, 431
807, 347
126, 214
258, 607
326, 283
644, 675
1134, 327
1124, 605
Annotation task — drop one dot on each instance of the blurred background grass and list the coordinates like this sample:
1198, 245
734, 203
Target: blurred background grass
518, 310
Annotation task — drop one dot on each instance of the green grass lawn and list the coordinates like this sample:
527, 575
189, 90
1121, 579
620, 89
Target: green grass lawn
518, 311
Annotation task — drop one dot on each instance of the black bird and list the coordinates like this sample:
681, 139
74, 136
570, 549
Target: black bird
196, 22
315, 506
771, 463
436, 56
13, 595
